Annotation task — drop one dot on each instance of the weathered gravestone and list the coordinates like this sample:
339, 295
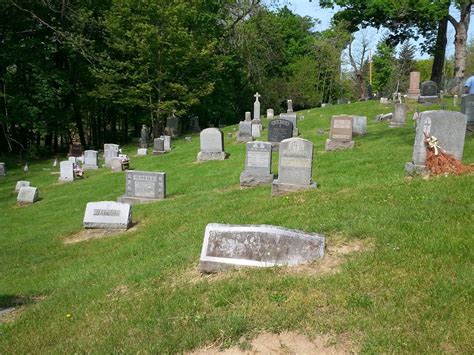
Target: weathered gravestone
91, 160
173, 126
248, 116
107, 215
110, 151
167, 143
258, 164
429, 92
212, 145
467, 107
142, 151
295, 166
399, 116
414, 89
20, 184
270, 113
290, 116
27, 195
143, 141
340, 136
256, 108
3, 169
143, 187
278, 130
194, 124
158, 146
226, 246
448, 127
75, 150
256, 130
245, 131
359, 125
66, 171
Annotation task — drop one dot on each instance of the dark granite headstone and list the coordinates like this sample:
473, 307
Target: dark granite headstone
279, 129
429, 88
75, 150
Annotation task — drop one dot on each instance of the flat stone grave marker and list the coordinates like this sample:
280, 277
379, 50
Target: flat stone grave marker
20, 184
245, 131
142, 151
91, 160
359, 125
295, 165
66, 171
27, 195
278, 130
340, 135
158, 146
227, 246
167, 142
143, 187
448, 127
107, 215
399, 115
110, 151
258, 164
3, 169
212, 145
467, 107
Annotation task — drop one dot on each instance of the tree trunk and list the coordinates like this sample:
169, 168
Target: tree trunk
439, 52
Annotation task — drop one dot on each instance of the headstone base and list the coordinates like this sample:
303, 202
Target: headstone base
412, 169
136, 200
396, 124
205, 156
282, 189
159, 152
332, 144
244, 138
429, 99
65, 180
90, 167
251, 180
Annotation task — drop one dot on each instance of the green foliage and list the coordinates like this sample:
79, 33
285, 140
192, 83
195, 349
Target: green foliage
384, 62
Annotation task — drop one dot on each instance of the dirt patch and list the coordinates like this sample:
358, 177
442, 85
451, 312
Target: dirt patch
91, 234
288, 343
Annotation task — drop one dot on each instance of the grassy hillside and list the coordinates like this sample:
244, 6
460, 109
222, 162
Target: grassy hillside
410, 289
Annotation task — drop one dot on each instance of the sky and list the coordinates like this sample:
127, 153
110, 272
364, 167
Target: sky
312, 9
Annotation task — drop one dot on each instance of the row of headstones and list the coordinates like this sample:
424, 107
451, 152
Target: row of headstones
161, 145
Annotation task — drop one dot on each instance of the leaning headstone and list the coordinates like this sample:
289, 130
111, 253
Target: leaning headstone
467, 107
399, 116
429, 92
66, 171
245, 131
27, 195
256, 108
20, 184
278, 130
107, 215
295, 165
258, 164
143, 187
158, 146
340, 136
270, 113
167, 142
3, 169
359, 125
226, 246
448, 127
110, 151
212, 145
91, 160
142, 151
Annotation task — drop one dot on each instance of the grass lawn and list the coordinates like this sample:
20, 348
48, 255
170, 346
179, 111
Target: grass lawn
410, 289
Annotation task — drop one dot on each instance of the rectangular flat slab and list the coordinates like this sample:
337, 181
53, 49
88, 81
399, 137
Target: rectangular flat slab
226, 246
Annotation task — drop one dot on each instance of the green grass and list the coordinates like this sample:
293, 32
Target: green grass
412, 291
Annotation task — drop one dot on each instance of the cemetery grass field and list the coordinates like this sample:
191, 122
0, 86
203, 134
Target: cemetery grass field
409, 288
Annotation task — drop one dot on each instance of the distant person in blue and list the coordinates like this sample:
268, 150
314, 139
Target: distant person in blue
469, 85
